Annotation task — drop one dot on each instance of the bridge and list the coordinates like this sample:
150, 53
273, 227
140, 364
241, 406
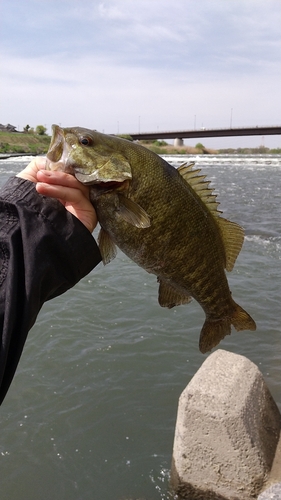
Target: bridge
179, 135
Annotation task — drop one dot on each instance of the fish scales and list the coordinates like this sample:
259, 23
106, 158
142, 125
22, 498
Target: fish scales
178, 259
164, 219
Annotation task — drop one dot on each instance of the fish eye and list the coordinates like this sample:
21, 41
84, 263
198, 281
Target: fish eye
86, 141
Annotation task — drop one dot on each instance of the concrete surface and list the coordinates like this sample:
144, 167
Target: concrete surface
227, 431
272, 493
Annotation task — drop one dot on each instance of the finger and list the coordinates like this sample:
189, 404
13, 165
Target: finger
63, 193
74, 201
61, 179
30, 172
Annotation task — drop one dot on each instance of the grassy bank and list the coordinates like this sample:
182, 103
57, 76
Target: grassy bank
162, 148
31, 143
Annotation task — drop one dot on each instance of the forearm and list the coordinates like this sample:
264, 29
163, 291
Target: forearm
44, 251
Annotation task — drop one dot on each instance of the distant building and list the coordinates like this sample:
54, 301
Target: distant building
7, 128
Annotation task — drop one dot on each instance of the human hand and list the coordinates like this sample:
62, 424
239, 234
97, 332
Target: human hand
30, 172
65, 187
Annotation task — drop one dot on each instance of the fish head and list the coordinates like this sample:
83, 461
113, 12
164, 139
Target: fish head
90, 156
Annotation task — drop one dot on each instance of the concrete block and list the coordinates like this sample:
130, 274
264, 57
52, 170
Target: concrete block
227, 430
272, 493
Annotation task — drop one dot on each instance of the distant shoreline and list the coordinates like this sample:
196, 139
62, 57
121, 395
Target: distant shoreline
31, 144
4, 156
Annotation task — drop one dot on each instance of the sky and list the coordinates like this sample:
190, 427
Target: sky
124, 66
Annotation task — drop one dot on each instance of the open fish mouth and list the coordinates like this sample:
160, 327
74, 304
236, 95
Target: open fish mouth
58, 152
73, 151
57, 144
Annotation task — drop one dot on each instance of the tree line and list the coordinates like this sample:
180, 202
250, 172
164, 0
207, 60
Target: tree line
40, 130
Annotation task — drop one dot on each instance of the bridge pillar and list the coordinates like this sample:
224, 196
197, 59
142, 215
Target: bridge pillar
178, 142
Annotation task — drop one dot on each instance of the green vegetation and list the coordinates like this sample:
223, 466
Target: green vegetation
24, 142
262, 150
160, 143
36, 142
160, 147
41, 130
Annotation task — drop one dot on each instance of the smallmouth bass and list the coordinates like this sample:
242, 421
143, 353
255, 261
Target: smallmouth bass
164, 219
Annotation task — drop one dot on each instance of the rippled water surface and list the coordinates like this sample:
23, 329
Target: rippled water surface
92, 408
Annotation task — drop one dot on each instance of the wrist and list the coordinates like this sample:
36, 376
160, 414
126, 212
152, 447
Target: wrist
27, 176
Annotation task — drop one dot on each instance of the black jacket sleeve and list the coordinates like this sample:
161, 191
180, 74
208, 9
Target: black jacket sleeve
44, 251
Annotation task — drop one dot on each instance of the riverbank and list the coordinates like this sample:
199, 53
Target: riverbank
15, 143
162, 148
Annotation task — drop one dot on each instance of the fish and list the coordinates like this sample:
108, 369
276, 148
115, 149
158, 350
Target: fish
163, 218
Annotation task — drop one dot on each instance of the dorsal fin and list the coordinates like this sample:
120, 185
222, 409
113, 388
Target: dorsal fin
231, 233
200, 186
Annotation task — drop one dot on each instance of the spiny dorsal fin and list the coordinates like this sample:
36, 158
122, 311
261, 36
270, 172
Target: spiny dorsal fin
107, 247
132, 213
233, 236
200, 186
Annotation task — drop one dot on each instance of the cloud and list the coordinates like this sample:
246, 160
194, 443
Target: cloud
180, 32
112, 12
105, 64
87, 91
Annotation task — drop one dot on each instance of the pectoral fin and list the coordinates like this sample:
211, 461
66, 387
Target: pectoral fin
107, 247
132, 213
169, 297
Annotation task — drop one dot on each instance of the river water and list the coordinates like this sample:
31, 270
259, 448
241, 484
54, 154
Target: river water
91, 412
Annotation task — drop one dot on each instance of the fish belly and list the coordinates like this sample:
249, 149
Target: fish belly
181, 247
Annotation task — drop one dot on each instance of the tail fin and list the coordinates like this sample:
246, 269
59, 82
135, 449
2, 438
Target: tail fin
214, 331
241, 320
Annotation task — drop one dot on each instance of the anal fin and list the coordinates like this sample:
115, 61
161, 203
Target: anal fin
169, 297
